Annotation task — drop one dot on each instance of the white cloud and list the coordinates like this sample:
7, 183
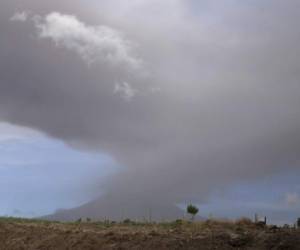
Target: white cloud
20, 16
91, 43
292, 199
125, 90
9, 132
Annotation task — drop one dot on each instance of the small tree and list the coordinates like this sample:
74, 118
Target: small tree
193, 210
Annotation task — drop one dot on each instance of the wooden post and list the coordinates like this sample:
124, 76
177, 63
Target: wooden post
255, 218
150, 215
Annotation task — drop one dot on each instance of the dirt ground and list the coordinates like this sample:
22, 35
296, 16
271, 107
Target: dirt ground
27, 235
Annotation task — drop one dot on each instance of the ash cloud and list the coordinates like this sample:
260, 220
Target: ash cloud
227, 109
20, 16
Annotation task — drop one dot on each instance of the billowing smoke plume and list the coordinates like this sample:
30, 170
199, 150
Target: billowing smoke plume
189, 97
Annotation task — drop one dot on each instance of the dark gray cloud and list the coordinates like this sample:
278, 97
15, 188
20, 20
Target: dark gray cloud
216, 101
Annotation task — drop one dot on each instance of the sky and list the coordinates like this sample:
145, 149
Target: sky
32, 182
188, 97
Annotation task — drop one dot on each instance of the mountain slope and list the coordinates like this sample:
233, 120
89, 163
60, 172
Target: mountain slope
106, 208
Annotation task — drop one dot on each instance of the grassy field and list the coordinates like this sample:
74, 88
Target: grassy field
18, 233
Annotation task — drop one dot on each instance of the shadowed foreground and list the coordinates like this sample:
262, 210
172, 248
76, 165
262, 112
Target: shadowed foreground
29, 234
